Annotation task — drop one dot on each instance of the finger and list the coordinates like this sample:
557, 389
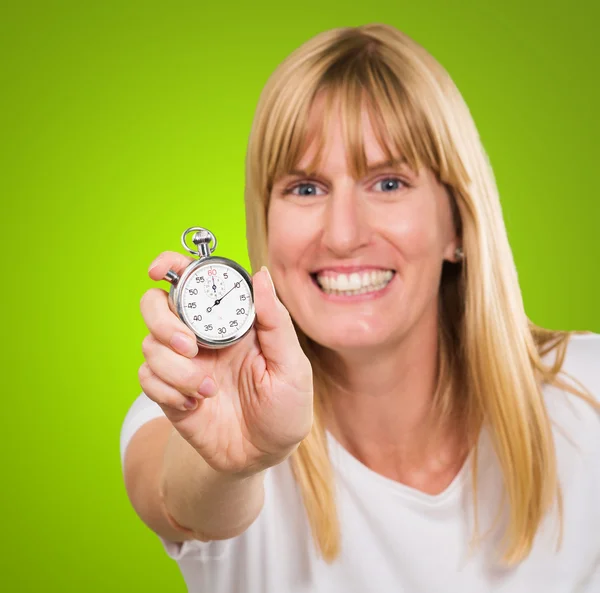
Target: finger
186, 376
168, 260
274, 327
159, 318
165, 325
164, 394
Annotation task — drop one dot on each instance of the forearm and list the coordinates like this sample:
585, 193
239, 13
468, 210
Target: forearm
212, 504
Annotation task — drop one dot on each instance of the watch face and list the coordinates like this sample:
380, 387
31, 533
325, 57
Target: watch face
217, 302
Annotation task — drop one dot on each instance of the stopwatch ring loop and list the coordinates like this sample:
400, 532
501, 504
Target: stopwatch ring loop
199, 251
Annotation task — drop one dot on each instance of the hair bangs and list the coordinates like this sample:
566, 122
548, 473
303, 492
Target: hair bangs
351, 84
296, 131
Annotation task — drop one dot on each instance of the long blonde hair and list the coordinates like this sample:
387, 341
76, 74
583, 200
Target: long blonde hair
489, 351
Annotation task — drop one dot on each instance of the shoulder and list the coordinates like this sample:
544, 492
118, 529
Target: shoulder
574, 418
581, 365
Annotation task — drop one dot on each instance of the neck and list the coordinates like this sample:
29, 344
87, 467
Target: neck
381, 410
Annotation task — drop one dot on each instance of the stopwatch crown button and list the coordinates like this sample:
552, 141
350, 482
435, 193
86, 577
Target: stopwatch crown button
172, 277
202, 236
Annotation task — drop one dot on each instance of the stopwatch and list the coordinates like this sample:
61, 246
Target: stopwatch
213, 296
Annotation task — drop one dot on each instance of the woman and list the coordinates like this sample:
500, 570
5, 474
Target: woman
394, 422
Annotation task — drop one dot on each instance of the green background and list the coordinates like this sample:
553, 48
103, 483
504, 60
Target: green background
123, 123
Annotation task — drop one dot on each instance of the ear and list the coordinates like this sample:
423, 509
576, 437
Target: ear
453, 228
451, 252
452, 249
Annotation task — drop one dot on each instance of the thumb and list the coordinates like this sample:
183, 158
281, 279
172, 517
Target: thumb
274, 328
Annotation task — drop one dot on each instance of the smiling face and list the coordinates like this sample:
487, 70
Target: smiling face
357, 262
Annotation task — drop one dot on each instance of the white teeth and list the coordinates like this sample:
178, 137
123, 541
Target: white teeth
355, 283
341, 283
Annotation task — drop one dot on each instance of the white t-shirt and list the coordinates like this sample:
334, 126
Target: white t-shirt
398, 539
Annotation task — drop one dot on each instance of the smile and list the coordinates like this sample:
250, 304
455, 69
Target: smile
355, 283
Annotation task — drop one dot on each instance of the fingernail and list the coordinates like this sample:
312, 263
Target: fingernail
207, 388
184, 344
190, 403
270, 279
152, 266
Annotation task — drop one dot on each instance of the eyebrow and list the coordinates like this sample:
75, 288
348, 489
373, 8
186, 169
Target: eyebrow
389, 164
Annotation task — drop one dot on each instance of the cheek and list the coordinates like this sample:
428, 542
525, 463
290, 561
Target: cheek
289, 236
275, 233
415, 230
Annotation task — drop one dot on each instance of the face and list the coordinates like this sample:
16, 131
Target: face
357, 262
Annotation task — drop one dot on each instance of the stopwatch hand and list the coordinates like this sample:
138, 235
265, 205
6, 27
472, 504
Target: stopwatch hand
236, 285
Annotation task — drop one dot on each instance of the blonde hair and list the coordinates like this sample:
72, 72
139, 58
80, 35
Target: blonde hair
489, 351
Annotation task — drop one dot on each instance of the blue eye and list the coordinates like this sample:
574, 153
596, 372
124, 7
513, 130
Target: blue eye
390, 183
310, 187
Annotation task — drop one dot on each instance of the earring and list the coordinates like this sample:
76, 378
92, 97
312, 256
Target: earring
458, 253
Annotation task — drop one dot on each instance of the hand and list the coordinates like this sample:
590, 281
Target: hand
253, 399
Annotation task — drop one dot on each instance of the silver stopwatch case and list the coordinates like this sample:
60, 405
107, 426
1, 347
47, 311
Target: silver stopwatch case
213, 296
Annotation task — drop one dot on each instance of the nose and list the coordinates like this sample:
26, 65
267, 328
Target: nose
345, 225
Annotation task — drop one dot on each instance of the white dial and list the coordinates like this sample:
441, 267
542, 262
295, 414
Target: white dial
217, 302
